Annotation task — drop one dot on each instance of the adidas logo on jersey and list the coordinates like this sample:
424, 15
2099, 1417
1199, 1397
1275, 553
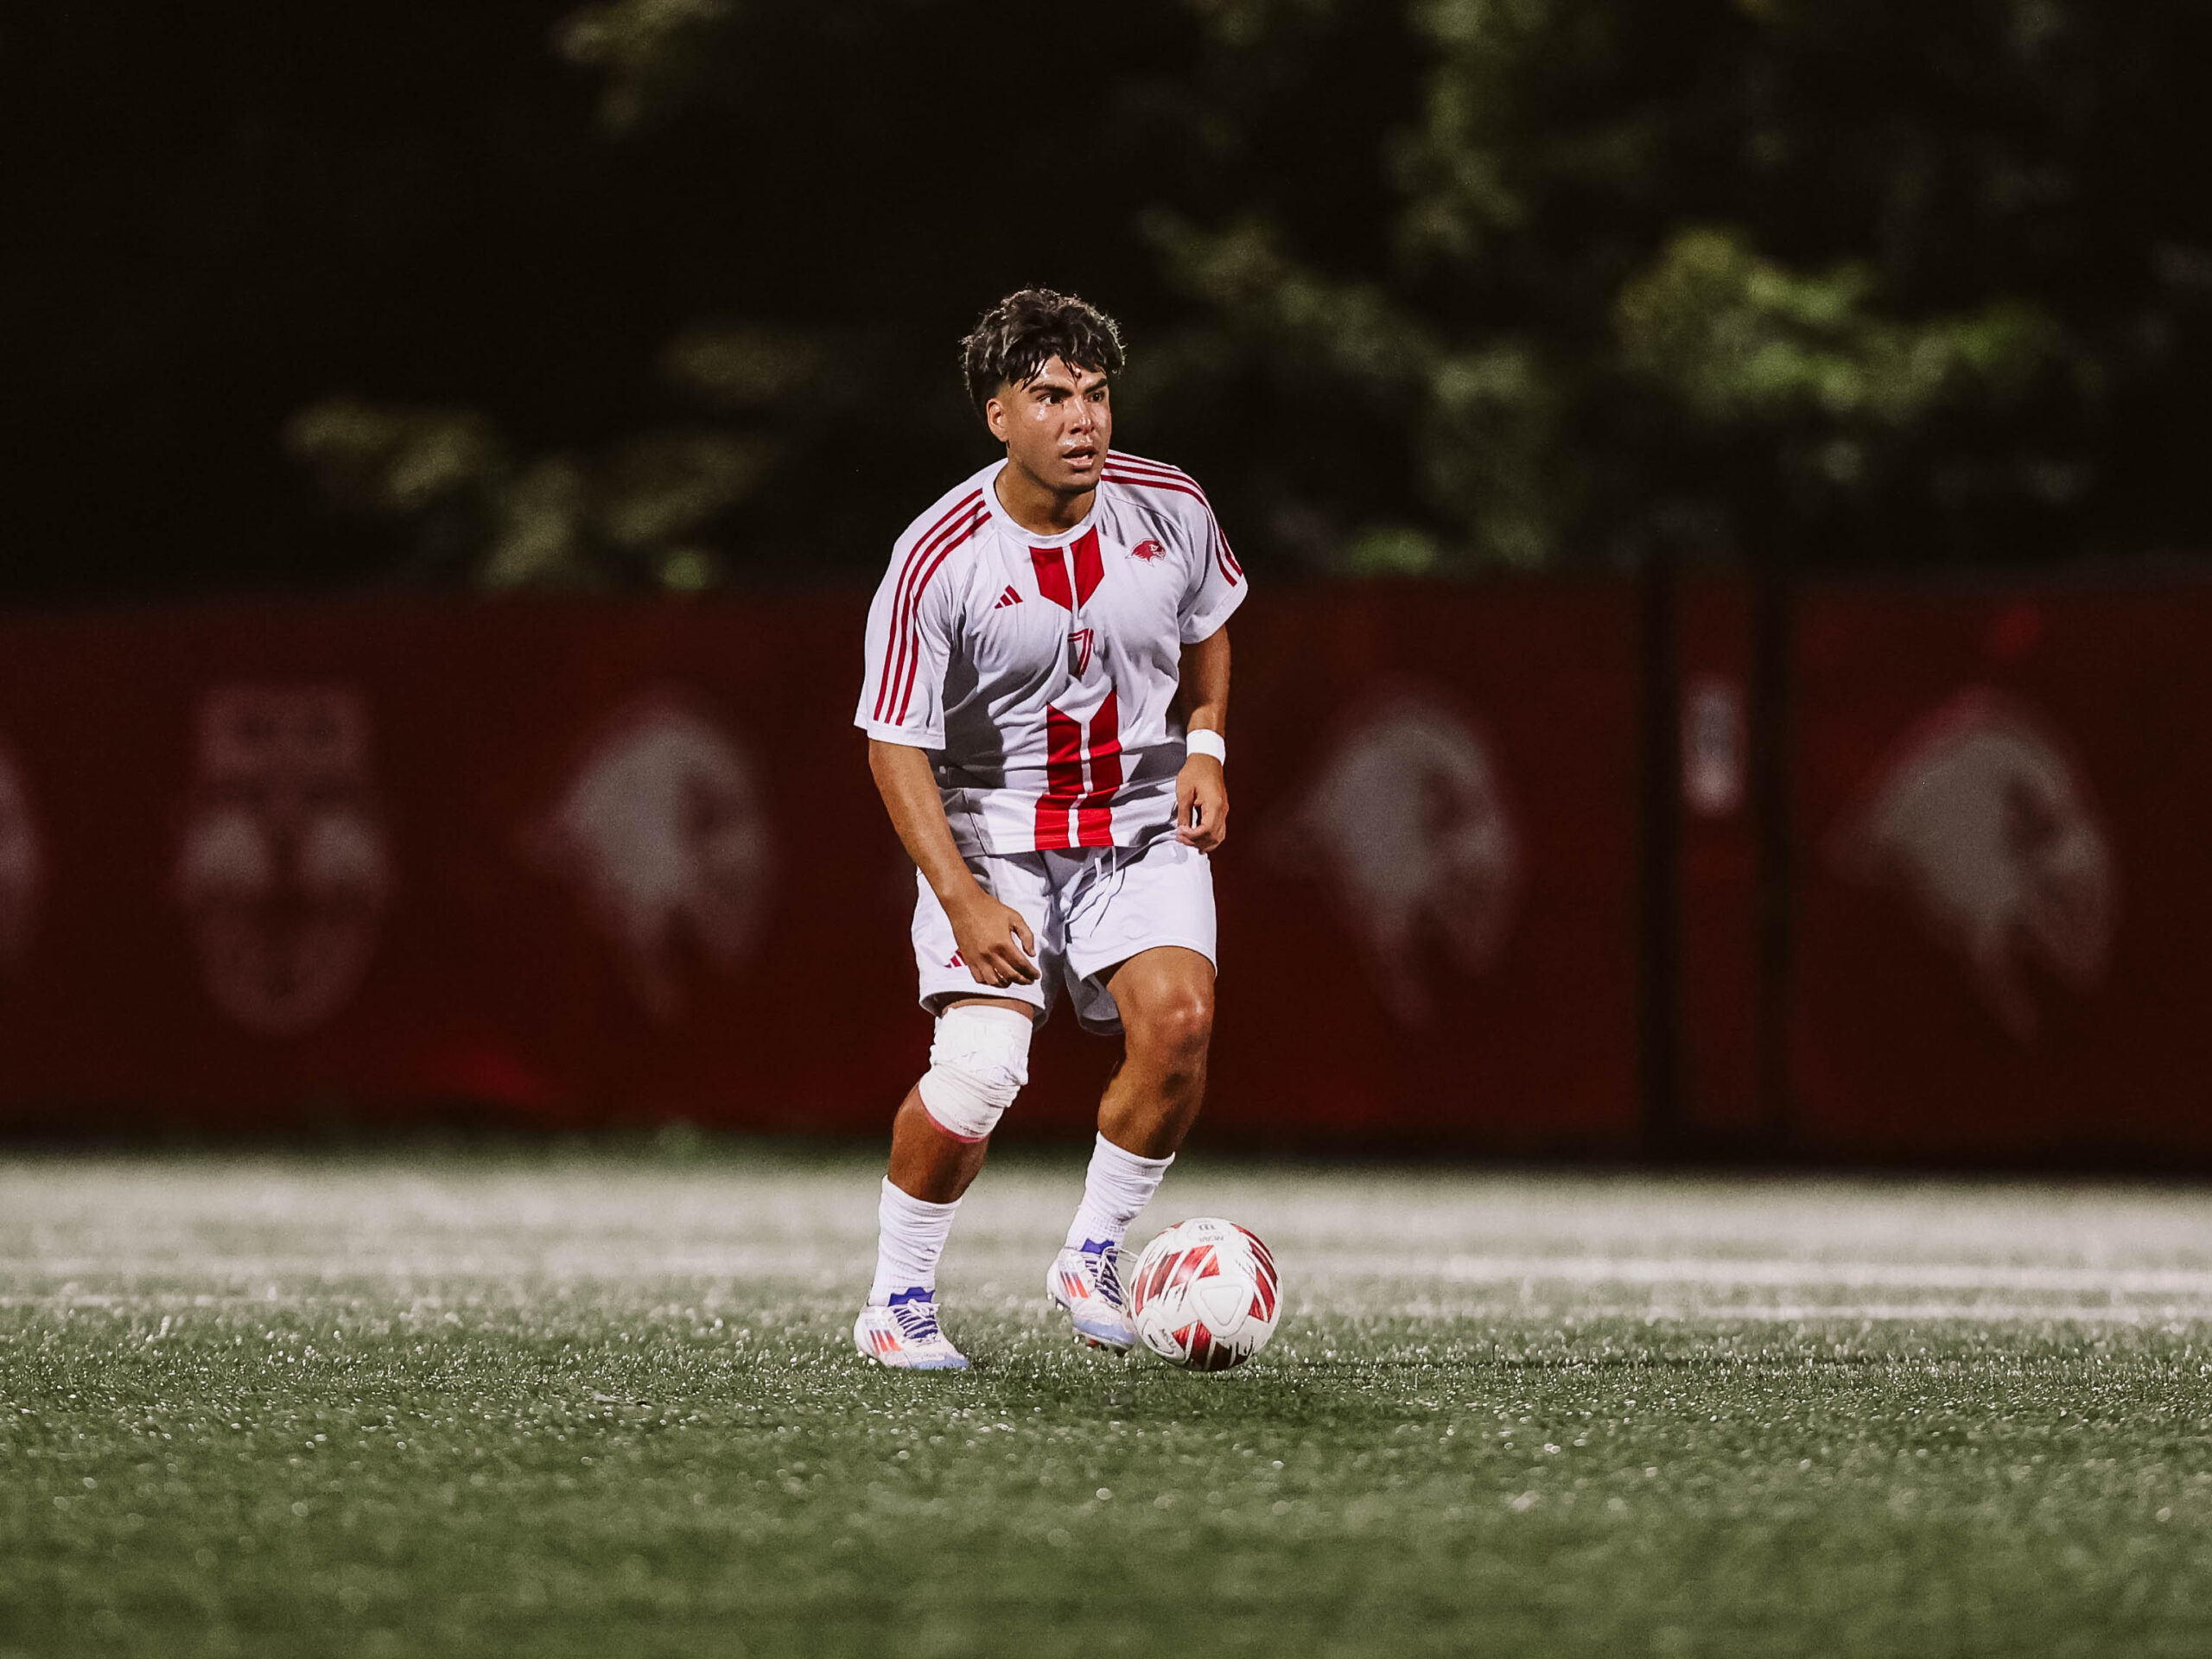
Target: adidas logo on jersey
1010, 597
954, 961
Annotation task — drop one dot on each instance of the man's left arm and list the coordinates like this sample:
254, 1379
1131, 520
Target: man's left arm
1202, 787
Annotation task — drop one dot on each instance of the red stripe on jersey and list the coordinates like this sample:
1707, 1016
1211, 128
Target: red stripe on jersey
914, 658
915, 554
1230, 569
1090, 568
1095, 818
1052, 577
910, 648
894, 648
1152, 481
1116, 471
1052, 571
1062, 779
1133, 478
1156, 468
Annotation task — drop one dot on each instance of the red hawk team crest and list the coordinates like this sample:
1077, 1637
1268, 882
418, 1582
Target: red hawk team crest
662, 829
1984, 822
1407, 819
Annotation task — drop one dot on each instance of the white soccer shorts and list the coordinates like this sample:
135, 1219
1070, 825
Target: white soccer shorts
1091, 910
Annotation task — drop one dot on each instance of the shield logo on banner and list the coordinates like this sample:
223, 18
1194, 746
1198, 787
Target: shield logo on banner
284, 869
661, 826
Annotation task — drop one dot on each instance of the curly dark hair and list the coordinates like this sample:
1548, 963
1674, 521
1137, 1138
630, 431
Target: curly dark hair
1024, 332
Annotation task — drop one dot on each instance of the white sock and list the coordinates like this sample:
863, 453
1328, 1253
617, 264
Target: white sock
1119, 1184
910, 1237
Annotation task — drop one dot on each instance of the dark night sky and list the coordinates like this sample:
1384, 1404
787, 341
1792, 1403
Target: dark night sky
219, 215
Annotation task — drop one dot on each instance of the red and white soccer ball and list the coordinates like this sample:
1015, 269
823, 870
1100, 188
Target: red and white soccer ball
1205, 1295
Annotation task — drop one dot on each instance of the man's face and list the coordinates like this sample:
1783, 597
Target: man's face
1057, 427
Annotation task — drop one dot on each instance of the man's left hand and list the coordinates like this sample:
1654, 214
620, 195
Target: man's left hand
1202, 804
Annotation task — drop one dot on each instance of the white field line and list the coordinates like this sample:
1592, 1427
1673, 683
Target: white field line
630, 1260
1725, 1272
581, 1262
1959, 1312
1576, 1314
1520, 1315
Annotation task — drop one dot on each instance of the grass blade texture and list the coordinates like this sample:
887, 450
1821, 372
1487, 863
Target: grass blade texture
584, 1402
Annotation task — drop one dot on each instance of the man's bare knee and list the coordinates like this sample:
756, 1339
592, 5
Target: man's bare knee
1175, 1029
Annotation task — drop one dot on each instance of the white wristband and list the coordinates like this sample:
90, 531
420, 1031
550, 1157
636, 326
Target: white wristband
1202, 741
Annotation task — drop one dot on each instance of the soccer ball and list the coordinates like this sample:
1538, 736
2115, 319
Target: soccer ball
1205, 1294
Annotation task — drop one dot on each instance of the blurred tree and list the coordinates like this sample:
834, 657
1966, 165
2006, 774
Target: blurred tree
1460, 283
846, 186
663, 293
1846, 282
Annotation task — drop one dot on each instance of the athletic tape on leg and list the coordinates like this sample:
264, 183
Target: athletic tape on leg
978, 1065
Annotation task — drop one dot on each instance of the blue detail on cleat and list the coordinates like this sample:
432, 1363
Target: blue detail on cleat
905, 1335
1088, 1283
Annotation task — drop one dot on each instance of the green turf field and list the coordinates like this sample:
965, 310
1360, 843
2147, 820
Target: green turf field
591, 1403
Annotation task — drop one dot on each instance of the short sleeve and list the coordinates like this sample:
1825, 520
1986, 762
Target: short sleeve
910, 630
1220, 586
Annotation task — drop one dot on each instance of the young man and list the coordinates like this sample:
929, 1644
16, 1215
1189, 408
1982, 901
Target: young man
1047, 686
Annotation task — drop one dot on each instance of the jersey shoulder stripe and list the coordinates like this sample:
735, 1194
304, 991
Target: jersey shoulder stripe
948, 542
1134, 472
1136, 469
930, 526
937, 535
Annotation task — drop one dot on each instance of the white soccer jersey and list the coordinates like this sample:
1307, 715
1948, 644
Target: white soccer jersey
1040, 670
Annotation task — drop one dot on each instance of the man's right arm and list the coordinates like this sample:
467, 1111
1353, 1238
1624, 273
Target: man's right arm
986, 929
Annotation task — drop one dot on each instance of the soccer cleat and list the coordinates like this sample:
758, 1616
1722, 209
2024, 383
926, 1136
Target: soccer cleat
1088, 1283
905, 1335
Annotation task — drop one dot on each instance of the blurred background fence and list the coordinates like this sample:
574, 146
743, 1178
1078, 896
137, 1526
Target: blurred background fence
1868, 870
1704, 694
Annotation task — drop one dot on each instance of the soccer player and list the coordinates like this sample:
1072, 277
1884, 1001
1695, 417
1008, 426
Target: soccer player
1047, 688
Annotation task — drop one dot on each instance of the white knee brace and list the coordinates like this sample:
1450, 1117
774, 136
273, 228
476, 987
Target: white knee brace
978, 1065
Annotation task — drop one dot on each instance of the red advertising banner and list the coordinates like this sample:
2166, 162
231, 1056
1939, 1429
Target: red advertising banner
1429, 906
575, 864
2003, 902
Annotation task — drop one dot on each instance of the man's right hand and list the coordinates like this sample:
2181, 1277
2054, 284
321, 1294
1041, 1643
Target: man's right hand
987, 930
